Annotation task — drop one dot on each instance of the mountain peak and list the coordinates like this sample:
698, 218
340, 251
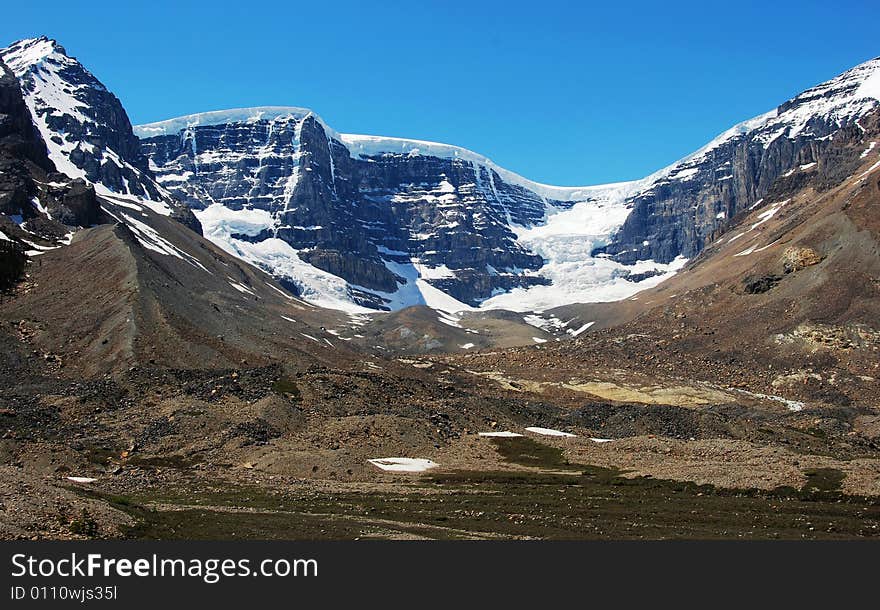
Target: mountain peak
22, 54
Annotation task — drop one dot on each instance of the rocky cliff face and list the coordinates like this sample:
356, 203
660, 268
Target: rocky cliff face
20, 149
397, 218
380, 220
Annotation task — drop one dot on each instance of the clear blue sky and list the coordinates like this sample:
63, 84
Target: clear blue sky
562, 92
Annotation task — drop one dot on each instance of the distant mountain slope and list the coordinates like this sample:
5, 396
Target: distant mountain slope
784, 308
690, 203
364, 223
402, 221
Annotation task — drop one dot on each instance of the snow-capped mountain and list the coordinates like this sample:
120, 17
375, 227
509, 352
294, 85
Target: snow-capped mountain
389, 222
84, 126
352, 220
86, 131
362, 222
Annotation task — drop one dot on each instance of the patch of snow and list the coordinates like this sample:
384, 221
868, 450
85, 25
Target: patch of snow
575, 333
549, 431
417, 291
502, 434
401, 464
793, 405
275, 256
242, 288
870, 169
685, 174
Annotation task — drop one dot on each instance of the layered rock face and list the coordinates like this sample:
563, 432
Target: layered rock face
20, 149
372, 218
689, 204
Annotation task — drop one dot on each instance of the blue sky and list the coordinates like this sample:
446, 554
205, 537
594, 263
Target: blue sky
566, 93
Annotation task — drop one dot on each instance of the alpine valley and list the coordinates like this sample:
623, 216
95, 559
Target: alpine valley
245, 323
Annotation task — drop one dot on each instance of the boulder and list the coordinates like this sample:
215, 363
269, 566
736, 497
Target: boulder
796, 258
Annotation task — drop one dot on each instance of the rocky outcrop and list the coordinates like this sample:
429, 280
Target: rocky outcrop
12, 261
18, 136
796, 258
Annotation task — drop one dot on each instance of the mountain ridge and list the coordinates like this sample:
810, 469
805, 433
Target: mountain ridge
363, 223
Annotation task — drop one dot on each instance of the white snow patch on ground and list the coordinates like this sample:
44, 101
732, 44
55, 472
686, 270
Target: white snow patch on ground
466, 346
793, 405
81, 479
548, 324
575, 333
549, 431
870, 169
150, 239
417, 291
601, 440
747, 251
401, 464
539, 340
501, 434
241, 288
